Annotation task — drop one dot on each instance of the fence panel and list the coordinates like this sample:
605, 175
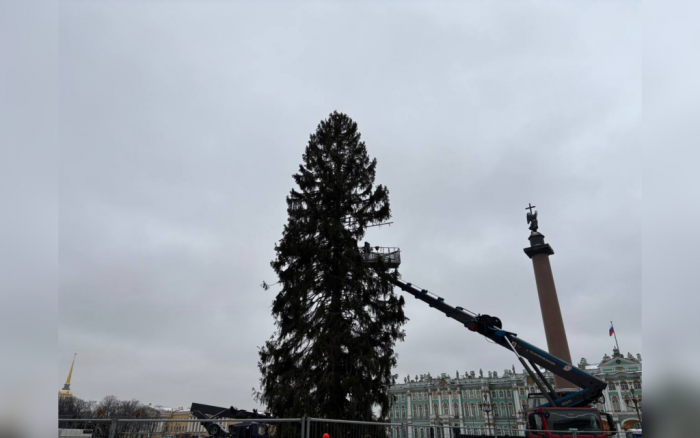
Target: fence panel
174, 428
354, 429
83, 428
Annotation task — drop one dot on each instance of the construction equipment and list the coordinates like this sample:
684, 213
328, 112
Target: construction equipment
242, 429
570, 411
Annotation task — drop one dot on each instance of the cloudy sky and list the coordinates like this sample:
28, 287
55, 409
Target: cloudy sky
181, 124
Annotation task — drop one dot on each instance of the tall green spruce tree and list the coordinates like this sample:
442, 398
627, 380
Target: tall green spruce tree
337, 320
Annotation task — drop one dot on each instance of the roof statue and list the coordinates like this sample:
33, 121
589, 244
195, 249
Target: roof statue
532, 218
481, 373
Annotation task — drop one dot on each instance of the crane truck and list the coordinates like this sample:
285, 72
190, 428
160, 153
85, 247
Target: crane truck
554, 413
241, 429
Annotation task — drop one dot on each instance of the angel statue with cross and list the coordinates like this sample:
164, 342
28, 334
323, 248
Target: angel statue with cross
532, 218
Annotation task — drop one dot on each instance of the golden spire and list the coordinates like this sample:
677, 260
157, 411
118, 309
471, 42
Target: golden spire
66, 388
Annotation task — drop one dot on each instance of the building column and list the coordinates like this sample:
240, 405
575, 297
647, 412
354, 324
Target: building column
450, 409
518, 408
462, 412
409, 415
608, 402
554, 330
430, 405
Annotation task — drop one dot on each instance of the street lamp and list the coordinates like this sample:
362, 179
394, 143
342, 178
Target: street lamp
637, 406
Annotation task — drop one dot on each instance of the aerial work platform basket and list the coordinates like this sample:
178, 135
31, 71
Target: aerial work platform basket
390, 256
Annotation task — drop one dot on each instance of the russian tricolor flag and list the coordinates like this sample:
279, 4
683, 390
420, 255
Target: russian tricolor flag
612, 330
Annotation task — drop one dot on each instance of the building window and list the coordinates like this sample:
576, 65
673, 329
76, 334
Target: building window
415, 414
522, 392
494, 410
611, 386
403, 411
532, 390
500, 394
472, 410
637, 384
455, 408
616, 404
435, 409
494, 394
509, 394
444, 409
503, 410
624, 386
511, 409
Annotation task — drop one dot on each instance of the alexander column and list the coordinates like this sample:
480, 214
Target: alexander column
554, 330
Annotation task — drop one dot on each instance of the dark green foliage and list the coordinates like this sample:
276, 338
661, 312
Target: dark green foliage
337, 320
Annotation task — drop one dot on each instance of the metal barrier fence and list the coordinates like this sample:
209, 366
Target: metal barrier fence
317, 427
179, 428
290, 428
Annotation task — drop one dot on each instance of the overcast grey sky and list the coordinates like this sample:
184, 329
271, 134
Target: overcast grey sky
182, 123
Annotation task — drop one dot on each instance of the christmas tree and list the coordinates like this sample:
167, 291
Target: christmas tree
337, 320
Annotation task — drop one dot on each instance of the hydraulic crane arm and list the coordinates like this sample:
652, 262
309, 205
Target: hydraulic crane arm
490, 327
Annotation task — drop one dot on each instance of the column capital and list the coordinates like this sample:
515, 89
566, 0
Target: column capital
538, 246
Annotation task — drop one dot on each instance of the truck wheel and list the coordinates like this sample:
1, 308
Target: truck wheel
214, 430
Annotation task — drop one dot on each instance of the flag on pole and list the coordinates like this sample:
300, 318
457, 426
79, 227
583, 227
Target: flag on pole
612, 330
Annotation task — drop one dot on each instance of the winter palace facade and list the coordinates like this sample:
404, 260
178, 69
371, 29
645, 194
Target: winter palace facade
494, 404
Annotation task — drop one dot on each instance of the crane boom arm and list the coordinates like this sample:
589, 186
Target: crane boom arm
490, 327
